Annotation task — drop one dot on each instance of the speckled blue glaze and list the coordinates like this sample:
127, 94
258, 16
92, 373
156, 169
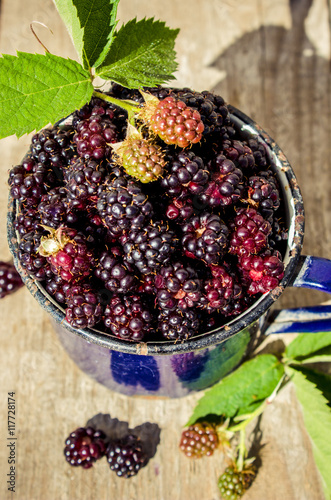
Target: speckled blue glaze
169, 369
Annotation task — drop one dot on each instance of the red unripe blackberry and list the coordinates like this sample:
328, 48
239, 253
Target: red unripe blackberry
10, 280
186, 175
128, 317
178, 324
175, 123
262, 273
140, 158
177, 286
226, 186
126, 456
84, 446
118, 277
233, 483
67, 252
205, 237
250, 232
94, 136
123, 205
150, 247
83, 308
198, 440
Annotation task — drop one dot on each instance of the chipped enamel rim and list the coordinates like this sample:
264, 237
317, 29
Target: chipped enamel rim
295, 225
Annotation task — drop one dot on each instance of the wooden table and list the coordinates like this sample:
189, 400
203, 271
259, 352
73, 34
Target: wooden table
272, 60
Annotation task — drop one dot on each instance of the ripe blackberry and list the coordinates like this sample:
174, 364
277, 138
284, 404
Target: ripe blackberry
27, 219
10, 280
199, 440
263, 194
83, 308
84, 446
67, 252
259, 152
177, 286
55, 209
53, 147
140, 158
95, 134
126, 456
178, 324
128, 317
84, 177
174, 122
220, 290
233, 483
30, 180
186, 175
179, 210
150, 247
238, 152
118, 277
250, 232
205, 237
263, 272
29, 257
226, 184
57, 287
123, 205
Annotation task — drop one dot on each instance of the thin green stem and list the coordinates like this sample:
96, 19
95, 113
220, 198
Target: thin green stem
129, 106
241, 450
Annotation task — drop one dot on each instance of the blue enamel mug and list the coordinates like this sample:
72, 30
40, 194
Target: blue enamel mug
168, 369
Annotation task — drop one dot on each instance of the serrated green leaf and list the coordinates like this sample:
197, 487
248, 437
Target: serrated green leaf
91, 24
142, 54
241, 391
38, 89
320, 379
305, 344
317, 419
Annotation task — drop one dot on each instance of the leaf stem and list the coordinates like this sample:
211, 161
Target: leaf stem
241, 450
129, 106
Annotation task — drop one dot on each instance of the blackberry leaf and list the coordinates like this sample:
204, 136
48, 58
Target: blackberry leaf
307, 345
91, 25
38, 89
241, 391
317, 419
141, 54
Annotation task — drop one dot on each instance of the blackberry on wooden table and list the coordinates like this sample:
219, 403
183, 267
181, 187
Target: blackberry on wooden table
84, 446
10, 280
126, 456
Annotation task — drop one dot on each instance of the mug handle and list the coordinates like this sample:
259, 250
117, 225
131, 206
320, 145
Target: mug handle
311, 272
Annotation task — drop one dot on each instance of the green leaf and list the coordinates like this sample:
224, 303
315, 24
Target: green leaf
91, 25
241, 391
320, 379
317, 418
38, 89
142, 54
306, 344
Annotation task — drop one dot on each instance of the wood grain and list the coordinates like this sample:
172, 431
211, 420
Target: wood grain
265, 58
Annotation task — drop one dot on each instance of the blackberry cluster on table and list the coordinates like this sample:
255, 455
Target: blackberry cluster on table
194, 247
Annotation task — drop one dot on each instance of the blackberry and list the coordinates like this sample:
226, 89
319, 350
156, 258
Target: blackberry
226, 186
126, 456
123, 205
95, 134
10, 280
84, 177
178, 324
116, 275
173, 121
140, 158
177, 286
240, 153
220, 290
186, 175
83, 308
57, 287
67, 252
263, 272
84, 446
263, 194
150, 247
55, 209
179, 210
30, 180
233, 483
205, 237
250, 232
29, 257
128, 317
199, 440
27, 219
259, 152
53, 147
